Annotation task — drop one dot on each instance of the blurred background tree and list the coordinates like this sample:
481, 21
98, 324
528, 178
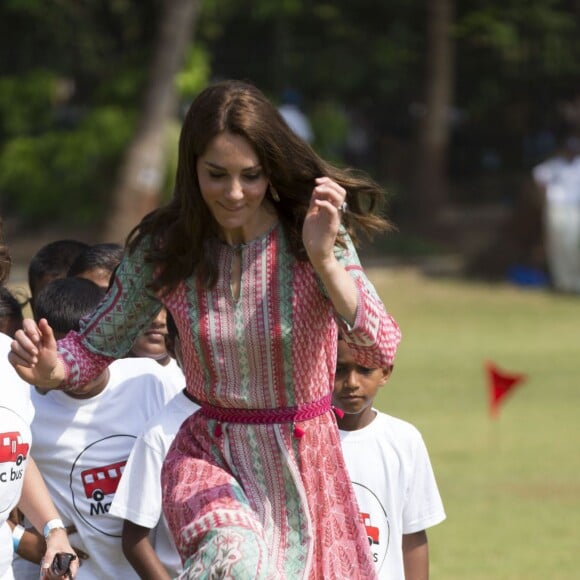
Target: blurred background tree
447, 104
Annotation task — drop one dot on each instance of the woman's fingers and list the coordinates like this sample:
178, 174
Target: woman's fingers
326, 205
34, 354
18, 362
22, 350
28, 337
47, 335
31, 339
31, 330
328, 190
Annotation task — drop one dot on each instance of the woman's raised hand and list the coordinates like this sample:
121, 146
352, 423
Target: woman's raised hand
34, 355
323, 221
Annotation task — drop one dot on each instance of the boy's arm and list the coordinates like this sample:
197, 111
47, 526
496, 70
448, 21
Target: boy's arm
31, 546
140, 553
416, 556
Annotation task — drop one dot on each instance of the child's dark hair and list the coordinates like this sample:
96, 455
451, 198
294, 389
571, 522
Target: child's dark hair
63, 302
105, 256
52, 260
10, 311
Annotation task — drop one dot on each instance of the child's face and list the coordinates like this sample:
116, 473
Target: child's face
151, 343
355, 386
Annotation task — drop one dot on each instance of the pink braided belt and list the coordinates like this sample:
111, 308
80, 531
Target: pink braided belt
268, 416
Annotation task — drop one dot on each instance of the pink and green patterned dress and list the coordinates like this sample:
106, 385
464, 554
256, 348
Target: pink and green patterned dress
255, 499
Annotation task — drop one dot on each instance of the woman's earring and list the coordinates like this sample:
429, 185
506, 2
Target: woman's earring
274, 193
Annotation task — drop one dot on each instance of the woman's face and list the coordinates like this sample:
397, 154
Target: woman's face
233, 184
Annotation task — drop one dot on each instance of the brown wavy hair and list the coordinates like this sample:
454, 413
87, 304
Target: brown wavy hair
183, 234
5, 259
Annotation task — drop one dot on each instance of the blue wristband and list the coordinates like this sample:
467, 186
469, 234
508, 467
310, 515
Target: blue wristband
17, 534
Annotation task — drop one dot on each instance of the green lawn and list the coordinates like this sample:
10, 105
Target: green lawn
511, 487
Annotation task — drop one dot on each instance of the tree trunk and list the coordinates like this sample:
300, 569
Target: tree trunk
430, 187
141, 173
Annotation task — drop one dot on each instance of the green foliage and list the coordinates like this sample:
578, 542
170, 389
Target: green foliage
194, 75
64, 175
269, 9
543, 33
328, 50
516, 61
330, 127
26, 103
121, 86
172, 138
67, 60
223, 10
74, 72
81, 39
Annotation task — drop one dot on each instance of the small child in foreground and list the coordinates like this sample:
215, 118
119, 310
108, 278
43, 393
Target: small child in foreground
390, 470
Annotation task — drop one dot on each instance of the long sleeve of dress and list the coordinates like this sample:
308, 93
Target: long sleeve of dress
374, 336
109, 333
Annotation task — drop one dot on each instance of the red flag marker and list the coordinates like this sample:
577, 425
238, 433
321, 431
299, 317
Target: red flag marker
500, 383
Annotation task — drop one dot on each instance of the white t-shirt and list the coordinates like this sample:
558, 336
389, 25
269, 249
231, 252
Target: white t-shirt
81, 448
561, 178
174, 374
147, 456
16, 413
395, 487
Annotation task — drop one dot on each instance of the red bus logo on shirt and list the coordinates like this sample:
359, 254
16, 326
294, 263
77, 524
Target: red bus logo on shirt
12, 448
372, 532
101, 481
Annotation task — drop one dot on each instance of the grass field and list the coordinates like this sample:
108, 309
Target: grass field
511, 486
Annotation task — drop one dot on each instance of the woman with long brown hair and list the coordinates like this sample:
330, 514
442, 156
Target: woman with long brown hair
254, 258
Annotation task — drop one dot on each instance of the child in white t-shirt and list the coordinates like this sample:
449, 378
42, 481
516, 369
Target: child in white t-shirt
82, 441
147, 541
390, 470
